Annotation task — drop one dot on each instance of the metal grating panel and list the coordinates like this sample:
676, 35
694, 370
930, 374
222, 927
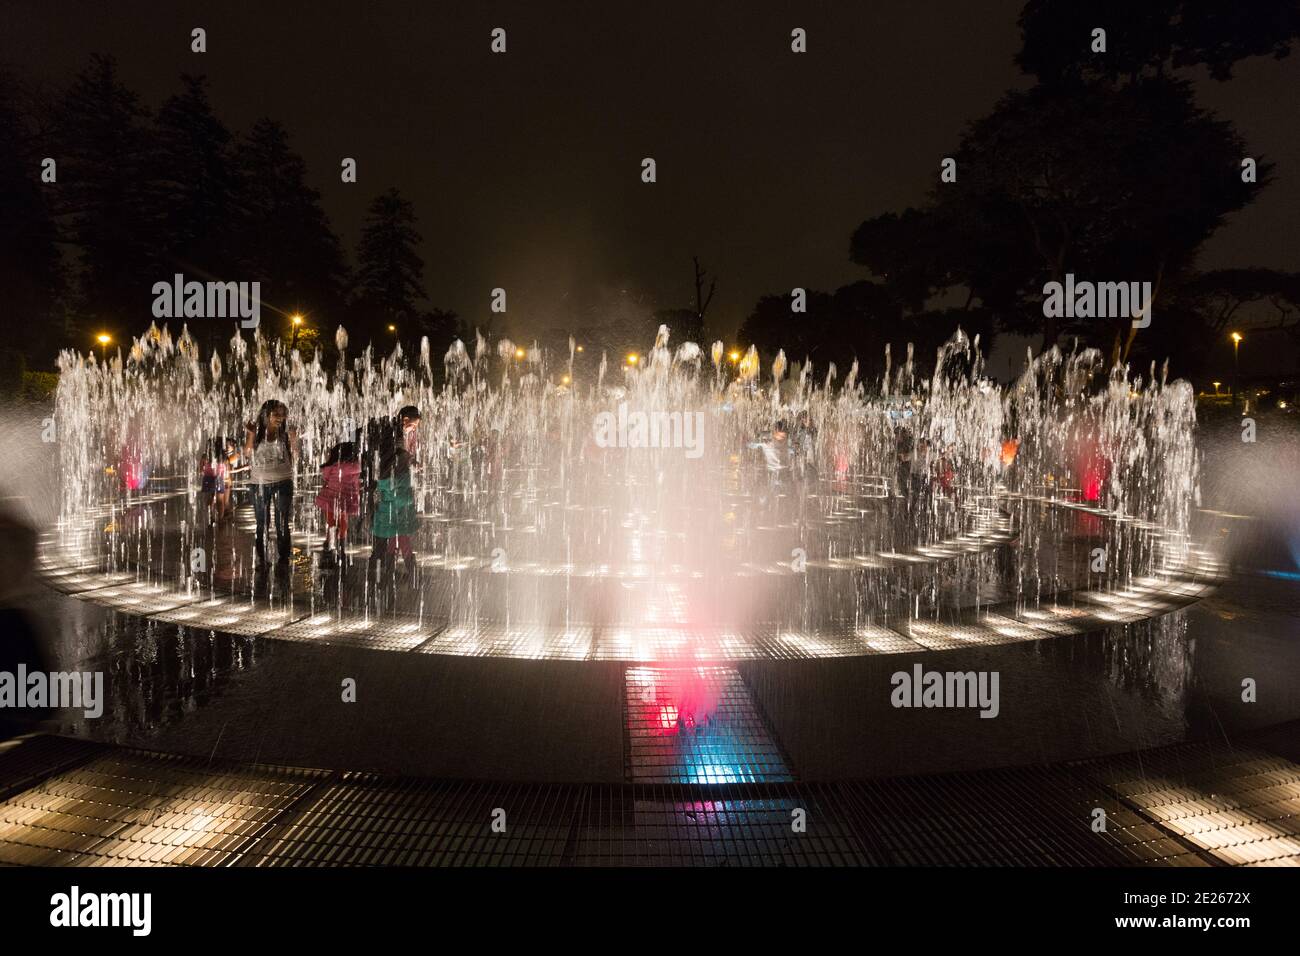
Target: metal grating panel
382, 634
723, 826
1187, 805
233, 616
362, 821
128, 808
696, 725
1237, 806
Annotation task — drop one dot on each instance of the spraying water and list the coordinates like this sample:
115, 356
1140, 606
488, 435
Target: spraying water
645, 503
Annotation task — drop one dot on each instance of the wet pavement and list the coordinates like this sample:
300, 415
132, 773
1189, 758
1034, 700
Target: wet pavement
198, 691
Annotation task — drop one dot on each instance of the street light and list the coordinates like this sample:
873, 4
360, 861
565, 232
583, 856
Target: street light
734, 356
520, 353
1216, 388
1236, 343
103, 338
392, 328
579, 348
296, 319
633, 358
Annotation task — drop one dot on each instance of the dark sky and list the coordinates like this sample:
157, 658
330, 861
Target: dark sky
525, 167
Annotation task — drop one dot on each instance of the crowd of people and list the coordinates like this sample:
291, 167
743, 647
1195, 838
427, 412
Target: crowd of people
371, 477
922, 472
366, 478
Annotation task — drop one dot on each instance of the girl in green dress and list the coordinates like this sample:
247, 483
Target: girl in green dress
395, 518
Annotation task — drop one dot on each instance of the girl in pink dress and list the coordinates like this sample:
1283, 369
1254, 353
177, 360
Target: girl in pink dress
339, 498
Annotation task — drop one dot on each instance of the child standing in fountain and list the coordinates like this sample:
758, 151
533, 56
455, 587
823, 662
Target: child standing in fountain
271, 447
803, 451
215, 465
395, 516
339, 498
776, 456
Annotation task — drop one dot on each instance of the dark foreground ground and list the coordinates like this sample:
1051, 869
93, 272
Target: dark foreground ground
75, 803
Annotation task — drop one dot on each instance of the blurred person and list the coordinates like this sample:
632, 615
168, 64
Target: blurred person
775, 447
215, 466
804, 445
920, 468
134, 464
903, 448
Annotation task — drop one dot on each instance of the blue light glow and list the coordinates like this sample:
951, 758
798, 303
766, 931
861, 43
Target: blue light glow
1284, 575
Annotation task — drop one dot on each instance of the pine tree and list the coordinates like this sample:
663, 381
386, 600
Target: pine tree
195, 179
196, 184
105, 194
390, 273
285, 240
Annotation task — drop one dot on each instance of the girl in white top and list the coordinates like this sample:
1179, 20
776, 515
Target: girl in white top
271, 446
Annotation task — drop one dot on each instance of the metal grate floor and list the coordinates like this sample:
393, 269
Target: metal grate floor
65, 802
696, 725
670, 826
1241, 807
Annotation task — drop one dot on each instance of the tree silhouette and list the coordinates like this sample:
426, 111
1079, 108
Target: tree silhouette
1106, 168
1151, 38
1223, 295
285, 238
194, 177
197, 188
856, 322
389, 285
105, 195
31, 270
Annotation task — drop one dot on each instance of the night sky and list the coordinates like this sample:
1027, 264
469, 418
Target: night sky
525, 167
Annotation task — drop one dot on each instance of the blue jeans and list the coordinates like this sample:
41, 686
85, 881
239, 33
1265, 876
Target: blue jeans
282, 493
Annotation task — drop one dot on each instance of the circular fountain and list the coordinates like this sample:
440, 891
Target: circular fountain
672, 522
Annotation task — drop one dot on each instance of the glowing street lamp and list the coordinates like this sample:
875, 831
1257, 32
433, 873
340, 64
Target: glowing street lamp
296, 319
520, 353
565, 380
579, 348
734, 355
1216, 387
392, 328
103, 338
633, 358
1236, 343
